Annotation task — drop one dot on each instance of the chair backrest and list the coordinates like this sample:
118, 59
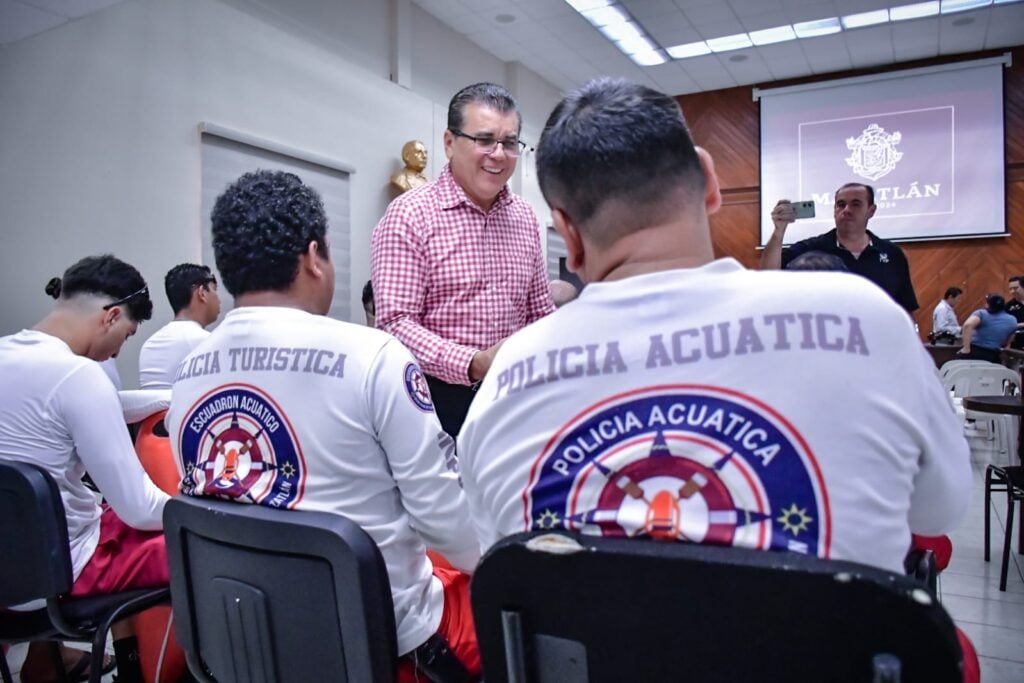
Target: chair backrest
603, 609
267, 595
987, 380
36, 558
952, 366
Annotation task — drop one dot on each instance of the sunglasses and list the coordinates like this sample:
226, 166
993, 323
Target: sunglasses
144, 292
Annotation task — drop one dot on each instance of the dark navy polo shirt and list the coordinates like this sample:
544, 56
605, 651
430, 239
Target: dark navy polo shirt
882, 262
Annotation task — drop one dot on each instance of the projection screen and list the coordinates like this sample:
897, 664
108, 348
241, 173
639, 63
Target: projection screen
930, 141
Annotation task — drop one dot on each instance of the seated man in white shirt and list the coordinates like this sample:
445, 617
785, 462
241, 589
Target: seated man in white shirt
58, 410
285, 407
686, 398
944, 317
192, 293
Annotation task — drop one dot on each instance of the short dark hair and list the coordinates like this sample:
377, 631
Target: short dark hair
870, 190
488, 94
368, 294
951, 292
1019, 279
817, 260
261, 225
105, 276
615, 146
182, 280
995, 302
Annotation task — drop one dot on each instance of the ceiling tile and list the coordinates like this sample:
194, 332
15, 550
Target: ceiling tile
468, 23
749, 8
811, 12
1005, 26
751, 70
702, 13
671, 79
74, 9
643, 9
545, 9
708, 72
669, 37
955, 39
19, 21
719, 29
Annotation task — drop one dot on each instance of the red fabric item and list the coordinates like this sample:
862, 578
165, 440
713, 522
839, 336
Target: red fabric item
456, 626
972, 668
940, 545
151, 626
125, 559
155, 455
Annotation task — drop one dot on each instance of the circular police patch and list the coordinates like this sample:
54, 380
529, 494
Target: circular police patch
237, 443
416, 387
683, 462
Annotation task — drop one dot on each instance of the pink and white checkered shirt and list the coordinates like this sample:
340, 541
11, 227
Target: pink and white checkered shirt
450, 280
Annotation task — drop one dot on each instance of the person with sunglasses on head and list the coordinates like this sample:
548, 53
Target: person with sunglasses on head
457, 264
192, 292
59, 411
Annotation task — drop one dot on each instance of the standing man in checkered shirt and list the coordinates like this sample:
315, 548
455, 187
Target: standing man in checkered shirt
457, 264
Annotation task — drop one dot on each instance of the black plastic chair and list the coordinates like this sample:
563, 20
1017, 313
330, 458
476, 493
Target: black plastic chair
267, 595
36, 564
1008, 480
569, 608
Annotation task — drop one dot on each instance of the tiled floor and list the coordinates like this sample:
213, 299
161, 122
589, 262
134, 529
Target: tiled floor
993, 620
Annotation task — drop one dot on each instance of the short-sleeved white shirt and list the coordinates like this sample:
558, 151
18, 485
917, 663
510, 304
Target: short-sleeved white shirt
772, 410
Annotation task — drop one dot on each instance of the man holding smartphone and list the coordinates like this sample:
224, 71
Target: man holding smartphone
863, 252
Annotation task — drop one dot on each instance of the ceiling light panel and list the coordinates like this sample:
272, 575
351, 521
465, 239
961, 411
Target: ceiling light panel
865, 19
915, 11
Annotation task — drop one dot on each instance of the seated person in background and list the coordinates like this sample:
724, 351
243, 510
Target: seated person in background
369, 308
944, 320
817, 260
323, 414
666, 402
987, 331
58, 410
192, 293
862, 251
1015, 307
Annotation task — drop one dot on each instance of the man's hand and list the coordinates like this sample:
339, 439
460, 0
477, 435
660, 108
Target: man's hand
481, 362
782, 215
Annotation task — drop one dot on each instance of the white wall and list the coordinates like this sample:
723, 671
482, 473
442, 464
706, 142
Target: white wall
99, 149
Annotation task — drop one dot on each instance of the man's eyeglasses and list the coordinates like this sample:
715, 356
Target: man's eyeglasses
144, 292
485, 144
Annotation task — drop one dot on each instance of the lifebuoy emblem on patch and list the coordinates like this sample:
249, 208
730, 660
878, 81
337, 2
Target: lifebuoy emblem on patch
416, 387
683, 462
237, 443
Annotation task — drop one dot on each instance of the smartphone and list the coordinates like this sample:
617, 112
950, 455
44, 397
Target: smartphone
804, 209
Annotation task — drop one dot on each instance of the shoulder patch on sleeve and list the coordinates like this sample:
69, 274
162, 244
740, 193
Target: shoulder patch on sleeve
416, 387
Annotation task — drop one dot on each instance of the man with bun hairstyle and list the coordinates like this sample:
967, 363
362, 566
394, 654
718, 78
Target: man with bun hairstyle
59, 411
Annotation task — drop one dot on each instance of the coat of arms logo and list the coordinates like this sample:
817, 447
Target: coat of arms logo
874, 152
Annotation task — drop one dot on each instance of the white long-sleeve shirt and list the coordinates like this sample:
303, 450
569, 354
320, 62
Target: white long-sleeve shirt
60, 411
298, 411
720, 405
163, 352
944, 319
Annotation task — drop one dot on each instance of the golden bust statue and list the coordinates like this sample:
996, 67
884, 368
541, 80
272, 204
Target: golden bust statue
414, 154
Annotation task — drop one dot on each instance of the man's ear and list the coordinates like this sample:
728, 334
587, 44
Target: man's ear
316, 260
449, 143
568, 231
111, 316
712, 191
871, 210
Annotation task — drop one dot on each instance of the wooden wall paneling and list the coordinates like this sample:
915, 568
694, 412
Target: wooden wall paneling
727, 124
